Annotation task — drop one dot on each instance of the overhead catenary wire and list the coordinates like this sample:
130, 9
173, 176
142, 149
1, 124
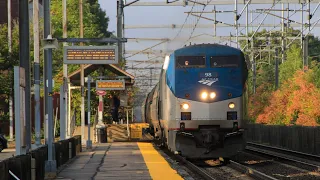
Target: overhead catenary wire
198, 19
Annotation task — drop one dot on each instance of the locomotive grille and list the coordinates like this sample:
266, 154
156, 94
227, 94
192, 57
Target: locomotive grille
232, 115
185, 115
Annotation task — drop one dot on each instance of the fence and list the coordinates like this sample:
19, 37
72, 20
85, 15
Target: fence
297, 138
21, 166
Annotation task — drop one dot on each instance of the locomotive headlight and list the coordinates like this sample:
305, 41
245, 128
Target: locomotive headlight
185, 106
231, 105
204, 95
212, 95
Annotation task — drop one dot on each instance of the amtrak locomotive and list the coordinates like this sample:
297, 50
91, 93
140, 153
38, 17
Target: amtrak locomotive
198, 108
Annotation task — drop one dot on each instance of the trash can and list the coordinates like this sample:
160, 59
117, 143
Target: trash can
102, 135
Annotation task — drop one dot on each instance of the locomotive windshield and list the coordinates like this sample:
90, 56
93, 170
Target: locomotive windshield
224, 61
190, 61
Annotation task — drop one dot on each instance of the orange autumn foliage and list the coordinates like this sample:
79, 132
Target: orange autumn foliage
296, 102
259, 100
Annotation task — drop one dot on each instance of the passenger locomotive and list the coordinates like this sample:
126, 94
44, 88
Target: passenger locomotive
199, 107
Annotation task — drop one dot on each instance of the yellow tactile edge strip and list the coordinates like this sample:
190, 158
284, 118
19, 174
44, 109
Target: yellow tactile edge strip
158, 167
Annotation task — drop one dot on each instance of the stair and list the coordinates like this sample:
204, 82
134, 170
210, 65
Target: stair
117, 132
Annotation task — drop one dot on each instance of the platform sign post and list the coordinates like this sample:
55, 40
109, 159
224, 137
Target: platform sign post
62, 114
19, 109
89, 142
100, 106
90, 55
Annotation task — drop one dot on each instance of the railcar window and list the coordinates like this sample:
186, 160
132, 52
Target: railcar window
190, 61
225, 61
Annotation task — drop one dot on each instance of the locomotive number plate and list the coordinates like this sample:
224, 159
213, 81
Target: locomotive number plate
208, 74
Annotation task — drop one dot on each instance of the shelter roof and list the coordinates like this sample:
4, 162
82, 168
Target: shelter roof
75, 76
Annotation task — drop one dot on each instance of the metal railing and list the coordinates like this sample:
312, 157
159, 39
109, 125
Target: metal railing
32, 165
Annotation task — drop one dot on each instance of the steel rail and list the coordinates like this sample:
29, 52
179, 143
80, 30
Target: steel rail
294, 156
250, 172
194, 168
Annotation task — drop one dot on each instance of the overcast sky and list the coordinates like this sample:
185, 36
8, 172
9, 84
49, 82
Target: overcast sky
167, 15
175, 15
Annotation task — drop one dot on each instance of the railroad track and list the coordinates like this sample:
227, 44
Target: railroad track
258, 169
313, 161
207, 175
250, 172
194, 168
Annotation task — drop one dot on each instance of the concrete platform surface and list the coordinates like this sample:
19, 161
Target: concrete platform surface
119, 160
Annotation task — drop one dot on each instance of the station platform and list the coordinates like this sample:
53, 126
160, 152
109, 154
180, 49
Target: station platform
119, 160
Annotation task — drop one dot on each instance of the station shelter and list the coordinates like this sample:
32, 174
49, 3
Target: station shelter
126, 126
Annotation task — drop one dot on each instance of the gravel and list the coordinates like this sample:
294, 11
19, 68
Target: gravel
275, 168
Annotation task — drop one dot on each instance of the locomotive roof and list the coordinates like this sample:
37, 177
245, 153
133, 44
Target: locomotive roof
208, 45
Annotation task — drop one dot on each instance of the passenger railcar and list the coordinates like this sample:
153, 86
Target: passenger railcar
198, 108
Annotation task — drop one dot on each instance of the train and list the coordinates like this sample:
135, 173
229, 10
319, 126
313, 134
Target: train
198, 108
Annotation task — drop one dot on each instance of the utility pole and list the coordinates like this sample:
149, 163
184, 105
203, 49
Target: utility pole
236, 17
10, 51
50, 165
283, 46
25, 63
36, 70
65, 73
120, 27
302, 39
276, 69
215, 21
254, 66
306, 41
247, 26
150, 77
82, 76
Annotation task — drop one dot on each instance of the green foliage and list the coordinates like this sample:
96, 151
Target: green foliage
4, 117
8, 60
292, 64
264, 99
94, 19
314, 48
315, 76
95, 26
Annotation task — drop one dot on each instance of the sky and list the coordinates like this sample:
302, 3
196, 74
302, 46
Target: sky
175, 15
168, 15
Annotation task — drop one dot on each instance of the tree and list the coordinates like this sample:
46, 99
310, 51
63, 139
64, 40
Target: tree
292, 63
296, 103
265, 104
7, 60
95, 25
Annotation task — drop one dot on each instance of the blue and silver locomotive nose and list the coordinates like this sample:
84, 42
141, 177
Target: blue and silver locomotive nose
207, 82
198, 105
